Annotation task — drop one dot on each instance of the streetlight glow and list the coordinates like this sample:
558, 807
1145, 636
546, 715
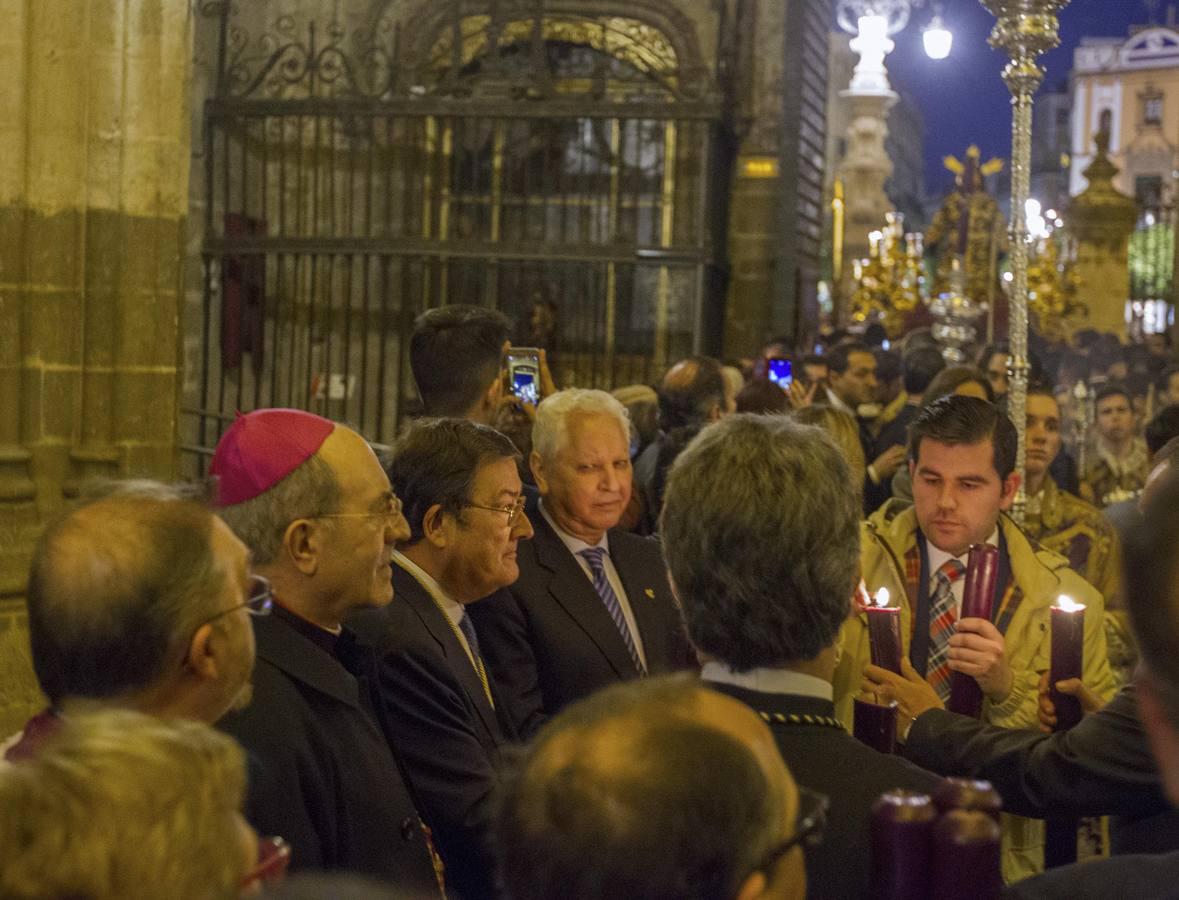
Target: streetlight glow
938, 39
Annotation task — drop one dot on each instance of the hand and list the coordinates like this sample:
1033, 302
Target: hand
978, 650
1074, 687
913, 694
887, 463
548, 387
800, 395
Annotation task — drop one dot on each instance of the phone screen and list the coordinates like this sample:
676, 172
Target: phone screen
524, 386
778, 371
523, 367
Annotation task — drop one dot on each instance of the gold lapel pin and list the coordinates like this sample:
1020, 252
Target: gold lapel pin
650, 592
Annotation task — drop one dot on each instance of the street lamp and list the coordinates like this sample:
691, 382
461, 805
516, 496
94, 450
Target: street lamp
937, 38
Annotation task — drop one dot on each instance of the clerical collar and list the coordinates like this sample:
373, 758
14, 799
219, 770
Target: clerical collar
769, 681
322, 637
939, 557
574, 545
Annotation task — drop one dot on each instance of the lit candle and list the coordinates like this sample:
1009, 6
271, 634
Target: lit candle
1068, 643
875, 724
902, 845
884, 632
973, 794
966, 856
978, 593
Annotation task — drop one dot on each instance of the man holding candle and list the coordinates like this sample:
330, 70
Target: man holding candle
962, 460
759, 533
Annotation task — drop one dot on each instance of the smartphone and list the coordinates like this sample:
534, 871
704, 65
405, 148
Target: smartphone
778, 371
523, 368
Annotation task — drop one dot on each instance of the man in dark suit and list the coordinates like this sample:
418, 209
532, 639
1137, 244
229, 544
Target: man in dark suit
760, 531
315, 508
592, 605
463, 501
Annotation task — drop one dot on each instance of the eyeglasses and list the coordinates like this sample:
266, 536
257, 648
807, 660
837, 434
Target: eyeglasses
513, 511
259, 599
808, 827
390, 515
274, 856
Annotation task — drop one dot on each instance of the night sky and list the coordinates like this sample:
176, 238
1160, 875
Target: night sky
963, 98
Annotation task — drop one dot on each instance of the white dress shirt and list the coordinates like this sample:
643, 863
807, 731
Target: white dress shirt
769, 681
938, 558
575, 545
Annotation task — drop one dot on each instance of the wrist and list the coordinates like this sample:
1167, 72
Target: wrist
872, 474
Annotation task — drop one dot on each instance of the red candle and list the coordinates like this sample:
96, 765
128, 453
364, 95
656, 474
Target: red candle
884, 632
978, 593
966, 856
875, 724
1068, 657
902, 846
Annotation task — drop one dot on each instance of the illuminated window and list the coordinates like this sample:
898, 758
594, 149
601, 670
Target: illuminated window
1152, 110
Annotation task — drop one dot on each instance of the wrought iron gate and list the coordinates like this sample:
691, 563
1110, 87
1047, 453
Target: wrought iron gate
553, 166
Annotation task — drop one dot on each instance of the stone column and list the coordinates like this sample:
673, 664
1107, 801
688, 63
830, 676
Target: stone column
1101, 220
94, 150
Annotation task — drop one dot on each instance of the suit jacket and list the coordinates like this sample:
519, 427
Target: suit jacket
1141, 877
1103, 766
851, 774
321, 772
440, 724
550, 640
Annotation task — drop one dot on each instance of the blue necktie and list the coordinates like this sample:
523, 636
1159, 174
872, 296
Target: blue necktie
467, 627
593, 556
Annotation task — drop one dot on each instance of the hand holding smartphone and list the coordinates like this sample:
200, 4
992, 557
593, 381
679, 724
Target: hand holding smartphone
522, 365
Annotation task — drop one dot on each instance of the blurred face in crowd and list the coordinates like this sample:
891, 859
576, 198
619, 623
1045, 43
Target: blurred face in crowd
997, 374
1115, 418
481, 555
816, 373
1043, 433
587, 483
1156, 344
857, 385
230, 630
356, 551
957, 494
1172, 393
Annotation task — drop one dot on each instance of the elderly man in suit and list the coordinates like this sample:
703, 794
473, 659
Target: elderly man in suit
760, 534
310, 500
592, 605
463, 501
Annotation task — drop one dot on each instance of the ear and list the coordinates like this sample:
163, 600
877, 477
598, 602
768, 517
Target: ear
200, 659
1010, 486
537, 465
1164, 741
302, 542
436, 527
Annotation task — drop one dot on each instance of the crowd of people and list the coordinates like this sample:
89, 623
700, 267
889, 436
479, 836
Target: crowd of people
610, 645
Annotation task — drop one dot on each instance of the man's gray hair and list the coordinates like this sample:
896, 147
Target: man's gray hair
309, 491
552, 417
761, 535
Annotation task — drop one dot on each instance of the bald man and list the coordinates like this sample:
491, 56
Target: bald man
139, 600
311, 501
628, 762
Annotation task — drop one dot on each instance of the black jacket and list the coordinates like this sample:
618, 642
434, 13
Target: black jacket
321, 773
1102, 766
446, 734
852, 775
551, 641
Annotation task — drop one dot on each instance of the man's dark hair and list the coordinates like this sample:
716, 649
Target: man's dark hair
1113, 390
839, 358
815, 359
761, 536
762, 396
962, 421
609, 802
689, 392
116, 587
888, 365
455, 353
1162, 428
919, 367
1151, 575
951, 378
436, 462
984, 355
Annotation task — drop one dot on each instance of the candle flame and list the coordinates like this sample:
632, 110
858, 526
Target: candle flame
882, 597
1068, 604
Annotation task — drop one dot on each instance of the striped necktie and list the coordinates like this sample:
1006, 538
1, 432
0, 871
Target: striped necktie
942, 619
467, 627
593, 556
